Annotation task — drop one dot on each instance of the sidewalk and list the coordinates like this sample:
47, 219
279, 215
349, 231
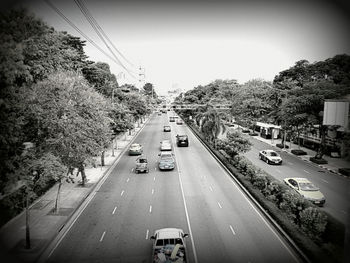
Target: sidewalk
44, 225
333, 164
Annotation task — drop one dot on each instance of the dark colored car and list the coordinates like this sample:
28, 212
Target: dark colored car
182, 140
166, 128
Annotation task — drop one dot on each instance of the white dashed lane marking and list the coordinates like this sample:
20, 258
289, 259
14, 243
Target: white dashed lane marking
127, 180
211, 189
324, 181
122, 193
233, 232
306, 171
103, 235
150, 209
147, 232
219, 205
115, 208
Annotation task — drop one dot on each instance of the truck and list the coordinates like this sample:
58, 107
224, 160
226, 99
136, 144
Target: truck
169, 246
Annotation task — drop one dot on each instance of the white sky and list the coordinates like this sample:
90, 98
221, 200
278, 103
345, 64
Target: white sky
184, 44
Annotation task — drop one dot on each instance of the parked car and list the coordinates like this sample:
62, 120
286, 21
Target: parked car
179, 122
182, 140
171, 119
270, 157
135, 149
166, 128
165, 145
306, 189
166, 161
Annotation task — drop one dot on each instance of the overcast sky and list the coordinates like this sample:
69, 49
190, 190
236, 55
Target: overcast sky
184, 44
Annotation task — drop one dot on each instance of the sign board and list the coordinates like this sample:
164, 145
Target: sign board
336, 112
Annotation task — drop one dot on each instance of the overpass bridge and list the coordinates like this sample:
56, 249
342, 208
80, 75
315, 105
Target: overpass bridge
195, 106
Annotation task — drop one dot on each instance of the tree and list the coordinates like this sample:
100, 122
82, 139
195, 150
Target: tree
148, 89
234, 144
69, 119
100, 77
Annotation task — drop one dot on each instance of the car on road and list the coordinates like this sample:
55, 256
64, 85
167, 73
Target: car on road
165, 145
179, 122
166, 161
306, 189
166, 128
141, 165
171, 119
182, 140
169, 245
270, 157
135, 149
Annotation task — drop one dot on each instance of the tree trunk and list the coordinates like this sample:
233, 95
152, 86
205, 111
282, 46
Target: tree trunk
56, 209
27, 223
298, 136
103, 158
83, 175
321, 148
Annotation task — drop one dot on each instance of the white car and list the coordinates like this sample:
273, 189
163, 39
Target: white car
165, 145
270, 157
135, 149
306, 189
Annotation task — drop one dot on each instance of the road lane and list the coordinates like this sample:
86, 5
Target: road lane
335, 188
128, 208
211, 224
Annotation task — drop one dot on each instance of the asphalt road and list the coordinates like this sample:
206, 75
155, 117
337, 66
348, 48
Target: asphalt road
335, 188
197, 196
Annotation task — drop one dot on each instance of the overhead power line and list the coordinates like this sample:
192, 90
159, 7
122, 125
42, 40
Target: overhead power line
77, 29
101, 34
117, 61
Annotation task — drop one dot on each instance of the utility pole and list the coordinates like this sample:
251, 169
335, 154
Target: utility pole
142, 77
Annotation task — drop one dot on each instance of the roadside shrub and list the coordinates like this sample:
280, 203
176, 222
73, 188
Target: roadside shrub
313, 222
289, 204
259, 181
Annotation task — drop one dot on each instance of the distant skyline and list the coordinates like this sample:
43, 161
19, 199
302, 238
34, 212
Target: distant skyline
184, 44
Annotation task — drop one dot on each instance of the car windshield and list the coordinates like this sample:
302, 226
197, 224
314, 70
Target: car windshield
182, 137
307, 186
273, 154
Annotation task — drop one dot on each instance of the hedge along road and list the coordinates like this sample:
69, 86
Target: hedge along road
198, 196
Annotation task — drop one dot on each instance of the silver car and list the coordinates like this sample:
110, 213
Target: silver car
166, 161
165, 145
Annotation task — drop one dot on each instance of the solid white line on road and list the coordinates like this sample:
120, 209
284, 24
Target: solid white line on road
262, 218
152, 191
122, 193
147, 232
115, 208
233, 232
219, 205
306, 171
211, 189
150, 209
127, 180
325, 181
103, 235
